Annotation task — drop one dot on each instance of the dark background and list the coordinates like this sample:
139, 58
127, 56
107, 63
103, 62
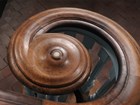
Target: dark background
124, 12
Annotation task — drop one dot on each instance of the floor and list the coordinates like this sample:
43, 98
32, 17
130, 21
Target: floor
124, 12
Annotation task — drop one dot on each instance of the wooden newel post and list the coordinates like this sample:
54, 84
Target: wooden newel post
51, 63
46, 57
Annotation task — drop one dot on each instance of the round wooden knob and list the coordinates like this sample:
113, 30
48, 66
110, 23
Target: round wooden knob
51, 63
56, 54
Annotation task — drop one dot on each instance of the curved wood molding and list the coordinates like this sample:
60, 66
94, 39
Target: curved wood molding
126, 90
52, 63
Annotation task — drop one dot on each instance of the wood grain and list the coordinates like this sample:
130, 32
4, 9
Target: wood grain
126, 90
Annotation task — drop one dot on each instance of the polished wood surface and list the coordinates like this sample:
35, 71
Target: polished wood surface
126, 90
50, 63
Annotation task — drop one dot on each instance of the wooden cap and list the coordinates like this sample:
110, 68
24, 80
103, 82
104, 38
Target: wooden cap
52, 63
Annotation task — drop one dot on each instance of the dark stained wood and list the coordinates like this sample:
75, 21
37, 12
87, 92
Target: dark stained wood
126, 90
124, 12
11, 98
55, 63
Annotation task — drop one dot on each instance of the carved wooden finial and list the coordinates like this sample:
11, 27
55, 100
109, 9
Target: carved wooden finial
50, 63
